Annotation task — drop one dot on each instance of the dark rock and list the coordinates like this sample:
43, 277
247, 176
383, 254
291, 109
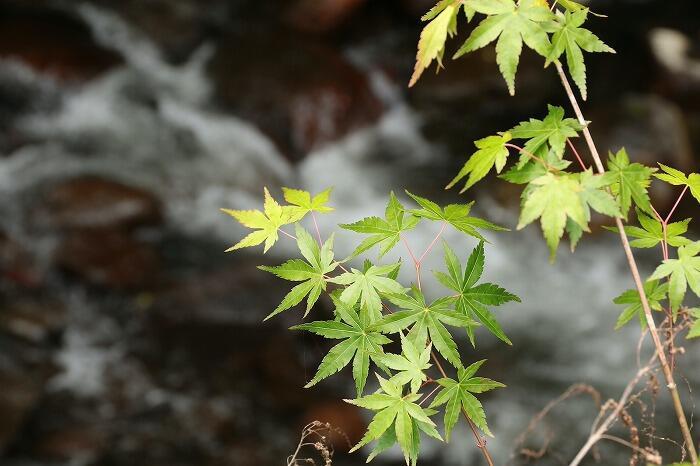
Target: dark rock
469, 99
20, 393
71, 442
307, 96
53, 42
679, 70
33, 319
110, 258
319, 16
417, 8
94, 202
16, 264
342, 416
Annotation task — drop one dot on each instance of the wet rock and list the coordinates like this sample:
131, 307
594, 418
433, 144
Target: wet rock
347, 419
417, 8
33, 319
52, 42
320, 16
94, 202
469, 100
307, 96
110, 258
16, 264
672, 51
71, 443
234, 293
20, 393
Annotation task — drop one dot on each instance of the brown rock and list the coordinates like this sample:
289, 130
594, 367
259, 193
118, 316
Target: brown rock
321, 15
20, 392
417, 7
53, 42
70, 443
110, 258
16, 265
32, 319
307, 96
94, 202
347, 419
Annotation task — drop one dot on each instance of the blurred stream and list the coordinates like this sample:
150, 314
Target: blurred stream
127, 337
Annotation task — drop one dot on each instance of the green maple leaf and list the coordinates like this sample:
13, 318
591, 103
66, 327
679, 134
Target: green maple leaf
360, 344
492, 153
411, 364
458, 396
266, 223
655, 291
631, 182
694, 331
312, 273
651, 232
398, 418
553, 199
553, 130
456, 215
426, 320
443, 4
684, 272
512, 24
472, 299
569, 37
304, 203
678, 178
383, 232
365, 286
594, 194
431, 45
570, 5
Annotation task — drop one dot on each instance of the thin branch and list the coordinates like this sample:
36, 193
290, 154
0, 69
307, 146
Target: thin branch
678, 201
287, 234
425, 253
318, 232
578, 157
533, 157
668, 374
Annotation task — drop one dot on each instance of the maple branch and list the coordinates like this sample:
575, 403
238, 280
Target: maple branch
668, 373
318, 232
416, 262
533, 157
442, 229
480, 441
678, 201
664, 243
578, 157
287, 234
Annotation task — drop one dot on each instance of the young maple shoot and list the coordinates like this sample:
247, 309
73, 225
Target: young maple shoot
373, 310
555, 193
